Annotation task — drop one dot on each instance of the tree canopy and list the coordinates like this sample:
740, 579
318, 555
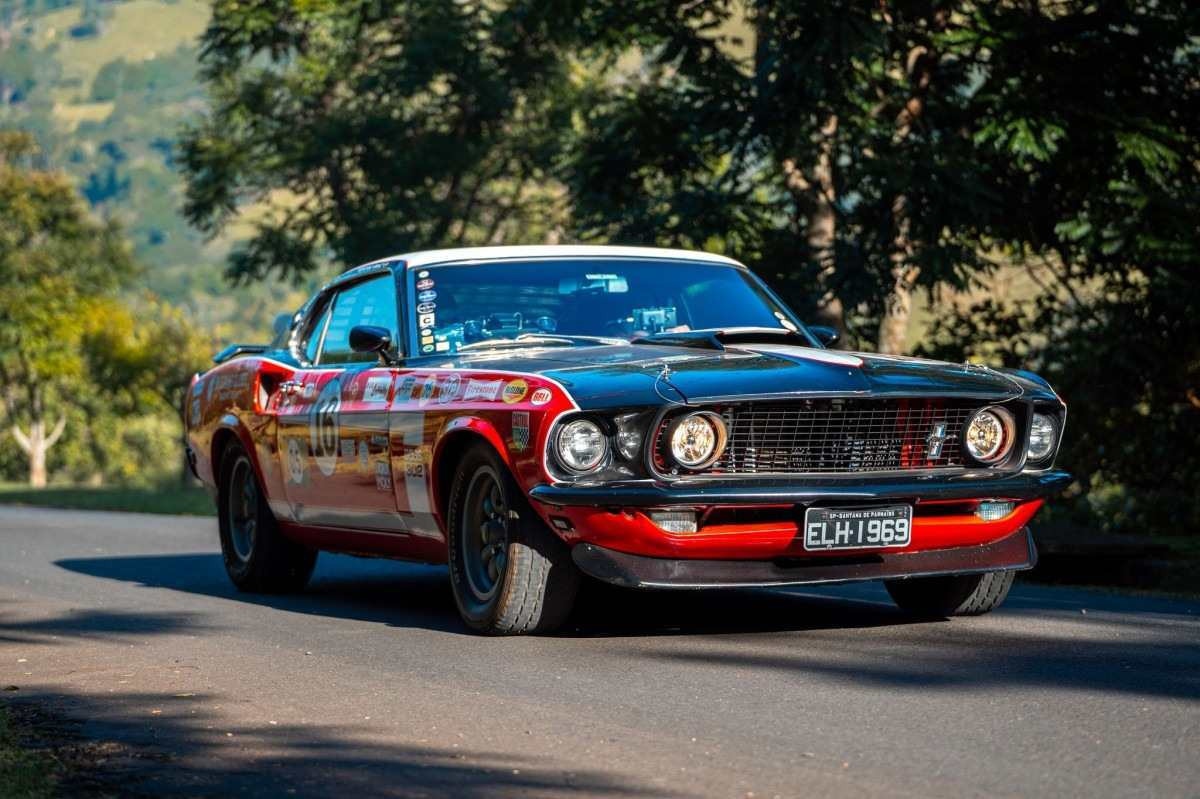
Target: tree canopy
855, 154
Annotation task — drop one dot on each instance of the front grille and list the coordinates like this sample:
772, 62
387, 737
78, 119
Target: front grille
842, 436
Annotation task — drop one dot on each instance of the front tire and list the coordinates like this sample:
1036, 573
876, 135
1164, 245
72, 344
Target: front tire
958, 595
258, 557
510, 574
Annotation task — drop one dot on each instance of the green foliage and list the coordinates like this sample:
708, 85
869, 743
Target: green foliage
390, 126
73, 357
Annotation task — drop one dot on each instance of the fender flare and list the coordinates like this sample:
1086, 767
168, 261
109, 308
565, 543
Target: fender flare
461, 428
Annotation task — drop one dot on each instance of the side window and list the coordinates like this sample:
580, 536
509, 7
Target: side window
372, 302
313, 344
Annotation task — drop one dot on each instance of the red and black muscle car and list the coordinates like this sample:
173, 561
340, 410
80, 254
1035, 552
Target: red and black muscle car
645, 417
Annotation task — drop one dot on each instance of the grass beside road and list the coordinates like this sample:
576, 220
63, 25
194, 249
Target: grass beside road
23, 772
171, 499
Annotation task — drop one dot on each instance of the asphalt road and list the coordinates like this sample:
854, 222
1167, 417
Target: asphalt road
368, 684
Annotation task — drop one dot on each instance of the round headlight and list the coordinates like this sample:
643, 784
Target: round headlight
989, 435
581, 445
697, 439
1043, 435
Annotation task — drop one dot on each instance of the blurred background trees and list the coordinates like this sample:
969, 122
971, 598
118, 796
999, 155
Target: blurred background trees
1014, 183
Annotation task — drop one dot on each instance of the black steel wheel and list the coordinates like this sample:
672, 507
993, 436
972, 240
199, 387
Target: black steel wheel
258, 557
509, 572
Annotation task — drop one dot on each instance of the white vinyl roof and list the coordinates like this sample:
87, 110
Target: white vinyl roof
481, 254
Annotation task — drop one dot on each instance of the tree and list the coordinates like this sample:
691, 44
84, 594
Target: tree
55, 262
859, 152
374, 127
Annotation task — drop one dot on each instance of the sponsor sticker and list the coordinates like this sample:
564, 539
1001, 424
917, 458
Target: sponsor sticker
427, 390
348, 448
364, 457
515, 391
406, 388
427, 307
295, 460
383, 476
424, 283
310, 390
323, 426
414, 463
442, 346
482, 390
425, 321
423, 273
520, 428
541, 396
427, 348
427, 296
450, 389
377, 389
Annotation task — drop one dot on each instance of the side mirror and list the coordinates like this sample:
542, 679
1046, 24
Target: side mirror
828, 336
368, 338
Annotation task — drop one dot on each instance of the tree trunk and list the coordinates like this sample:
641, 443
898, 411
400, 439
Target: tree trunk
35, 444
816, 193
897, 304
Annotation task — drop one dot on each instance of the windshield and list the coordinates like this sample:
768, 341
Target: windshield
554, 301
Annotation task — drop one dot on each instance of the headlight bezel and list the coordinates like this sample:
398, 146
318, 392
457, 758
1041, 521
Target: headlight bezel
1056, 426
1008, 425
720, 433
561, 460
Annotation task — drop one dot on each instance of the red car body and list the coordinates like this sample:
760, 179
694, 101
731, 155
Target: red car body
360, 457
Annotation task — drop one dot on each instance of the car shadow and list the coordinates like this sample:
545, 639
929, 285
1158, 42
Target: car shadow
141, 744
418, 596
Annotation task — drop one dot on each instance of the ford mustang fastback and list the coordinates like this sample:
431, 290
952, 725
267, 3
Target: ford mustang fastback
537, 416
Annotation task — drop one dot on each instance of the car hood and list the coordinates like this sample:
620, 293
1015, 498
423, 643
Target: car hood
651, 374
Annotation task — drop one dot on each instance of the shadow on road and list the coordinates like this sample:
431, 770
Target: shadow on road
407, 595
99, 624
1128, 645
144, 744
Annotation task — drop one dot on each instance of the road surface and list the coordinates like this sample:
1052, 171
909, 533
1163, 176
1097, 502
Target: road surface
368, 683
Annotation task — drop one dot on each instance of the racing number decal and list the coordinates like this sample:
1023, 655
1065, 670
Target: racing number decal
323, 426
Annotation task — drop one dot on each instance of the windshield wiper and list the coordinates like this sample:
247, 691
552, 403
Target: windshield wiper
540, 339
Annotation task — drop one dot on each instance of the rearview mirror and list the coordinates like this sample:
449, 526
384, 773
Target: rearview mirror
369, 338
828, 336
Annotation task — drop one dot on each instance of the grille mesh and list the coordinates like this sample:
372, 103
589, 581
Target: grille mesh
842, 436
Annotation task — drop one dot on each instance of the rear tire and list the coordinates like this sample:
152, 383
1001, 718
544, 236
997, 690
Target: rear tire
959, 595
258, 557
510, 574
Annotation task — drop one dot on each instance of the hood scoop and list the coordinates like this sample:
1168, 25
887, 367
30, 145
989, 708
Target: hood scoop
719, 340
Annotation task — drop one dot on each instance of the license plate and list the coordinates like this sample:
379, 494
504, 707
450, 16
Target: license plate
857, 528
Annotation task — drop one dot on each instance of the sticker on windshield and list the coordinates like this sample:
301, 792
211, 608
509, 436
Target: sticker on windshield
423, 273
427, 296
427, 307
427, 283
601, 277
425, 321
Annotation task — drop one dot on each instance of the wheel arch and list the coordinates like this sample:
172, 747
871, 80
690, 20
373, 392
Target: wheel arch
459, 436
230, 431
